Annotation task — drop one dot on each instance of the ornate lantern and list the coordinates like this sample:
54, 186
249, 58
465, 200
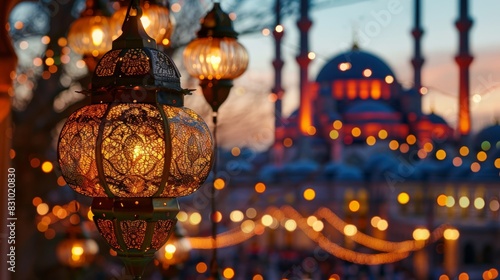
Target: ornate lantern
215, 56
90, 34
156, 18
135, 148
76, 250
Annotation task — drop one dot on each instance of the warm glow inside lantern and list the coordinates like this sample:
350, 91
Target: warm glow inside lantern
216, 57
136, 147
91, 33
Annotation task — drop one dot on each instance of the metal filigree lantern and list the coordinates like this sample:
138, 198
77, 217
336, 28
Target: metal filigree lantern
135, 148
216, 57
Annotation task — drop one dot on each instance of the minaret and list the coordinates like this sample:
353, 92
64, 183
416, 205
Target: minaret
279, 130
304, 24
464, 59
417, 60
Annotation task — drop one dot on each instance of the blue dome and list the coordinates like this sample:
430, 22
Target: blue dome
357, 61
368, 111
435, 119
490, 134
370, 106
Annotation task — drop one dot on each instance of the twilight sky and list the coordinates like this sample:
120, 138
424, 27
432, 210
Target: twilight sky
332, 32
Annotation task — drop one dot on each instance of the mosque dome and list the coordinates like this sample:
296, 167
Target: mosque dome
490, 134
365, 111
433, 118
334, 171
352, 65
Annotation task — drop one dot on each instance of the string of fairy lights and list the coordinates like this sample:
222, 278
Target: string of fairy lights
271, 218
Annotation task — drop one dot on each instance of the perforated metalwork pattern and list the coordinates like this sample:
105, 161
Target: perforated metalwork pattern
107, 230
135, 62
133, 150
161, 232
133, 233
164, 67
107, 65
192, 151
77, 150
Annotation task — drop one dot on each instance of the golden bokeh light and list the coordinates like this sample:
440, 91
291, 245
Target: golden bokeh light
228, 273
403, 198
354, 206
236, 216
350, 230
309, 194
451, 234
260, 187
421, 234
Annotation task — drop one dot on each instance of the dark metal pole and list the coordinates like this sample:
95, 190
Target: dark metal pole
278, 89
214, 268
417, 60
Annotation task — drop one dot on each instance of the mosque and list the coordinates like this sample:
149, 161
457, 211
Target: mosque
360, 138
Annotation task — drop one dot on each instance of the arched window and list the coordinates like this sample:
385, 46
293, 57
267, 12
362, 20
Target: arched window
376, 89
351, 89
338, 90
364, 89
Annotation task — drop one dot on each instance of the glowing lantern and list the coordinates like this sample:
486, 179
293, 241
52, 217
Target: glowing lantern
135, 148
90, 34
216, 57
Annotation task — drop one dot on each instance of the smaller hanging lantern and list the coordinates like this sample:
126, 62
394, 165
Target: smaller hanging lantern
216, 57
90, 35
76, 250
156, 18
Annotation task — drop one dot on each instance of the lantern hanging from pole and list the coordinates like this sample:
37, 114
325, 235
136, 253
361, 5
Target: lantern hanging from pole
136, 147
216, 57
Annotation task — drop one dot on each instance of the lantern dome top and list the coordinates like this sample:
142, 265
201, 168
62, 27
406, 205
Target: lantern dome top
135, 69
217, 24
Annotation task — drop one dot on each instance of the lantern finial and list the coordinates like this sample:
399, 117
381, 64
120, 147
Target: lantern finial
217, 24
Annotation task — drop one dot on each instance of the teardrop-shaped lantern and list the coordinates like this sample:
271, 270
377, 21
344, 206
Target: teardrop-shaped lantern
216, 57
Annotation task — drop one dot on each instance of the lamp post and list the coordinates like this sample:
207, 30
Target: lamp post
135, 148
215, 57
